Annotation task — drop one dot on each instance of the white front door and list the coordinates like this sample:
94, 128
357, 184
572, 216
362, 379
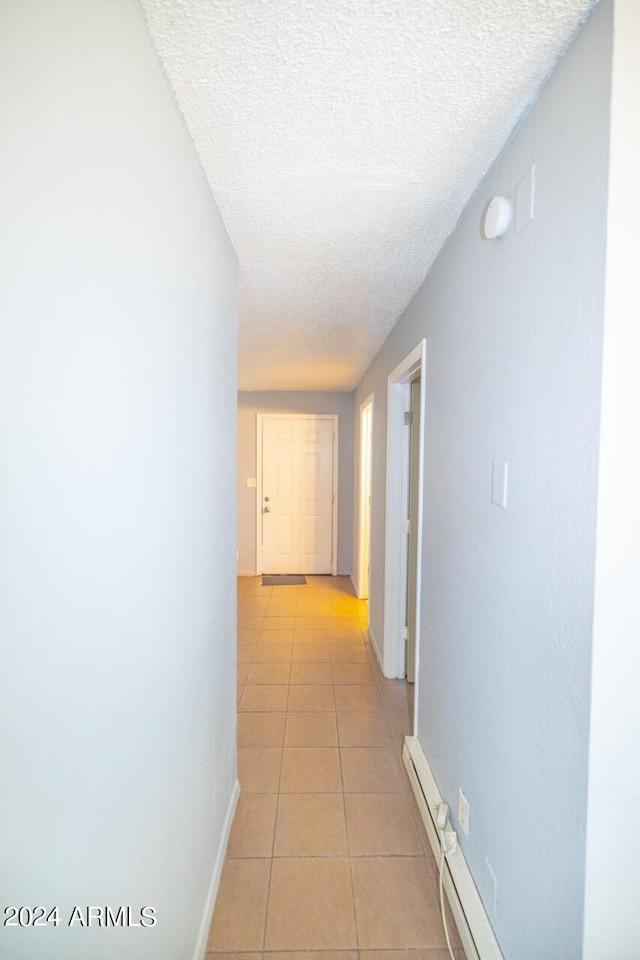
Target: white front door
297, 494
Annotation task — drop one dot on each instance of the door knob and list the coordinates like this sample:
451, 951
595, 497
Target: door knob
266, 509
266, 499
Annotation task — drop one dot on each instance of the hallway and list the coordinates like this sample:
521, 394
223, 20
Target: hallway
327, 851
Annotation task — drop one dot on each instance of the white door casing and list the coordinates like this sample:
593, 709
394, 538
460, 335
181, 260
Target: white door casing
397, 512
364, 527
412, 559
297, 485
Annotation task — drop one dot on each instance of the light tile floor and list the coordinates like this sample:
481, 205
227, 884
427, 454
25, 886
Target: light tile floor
327, 858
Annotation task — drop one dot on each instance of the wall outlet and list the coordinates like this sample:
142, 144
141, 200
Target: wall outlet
463, 812
448, 840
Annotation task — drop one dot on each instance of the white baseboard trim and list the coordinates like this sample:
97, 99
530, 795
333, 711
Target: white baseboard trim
478, 939
376, 648
205, 924
254, 573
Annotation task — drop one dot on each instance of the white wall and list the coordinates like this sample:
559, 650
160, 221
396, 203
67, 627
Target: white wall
252, 403
513, 331
117, 406
612, 918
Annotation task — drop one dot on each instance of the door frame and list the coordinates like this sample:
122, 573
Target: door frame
334, 417
397, 511
362, 587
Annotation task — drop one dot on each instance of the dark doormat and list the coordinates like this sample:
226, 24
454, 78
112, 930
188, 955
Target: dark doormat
284, 580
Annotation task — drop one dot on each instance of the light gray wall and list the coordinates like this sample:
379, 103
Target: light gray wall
513, 331
251, 403
612, 918
117, 406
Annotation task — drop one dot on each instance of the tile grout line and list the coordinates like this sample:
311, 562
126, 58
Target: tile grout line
346, 830
350, 861
273, 845
273, 841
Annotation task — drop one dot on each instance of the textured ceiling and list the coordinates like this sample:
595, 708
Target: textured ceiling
342, 140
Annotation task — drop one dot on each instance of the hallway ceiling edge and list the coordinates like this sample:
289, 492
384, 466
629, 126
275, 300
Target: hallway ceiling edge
342, 140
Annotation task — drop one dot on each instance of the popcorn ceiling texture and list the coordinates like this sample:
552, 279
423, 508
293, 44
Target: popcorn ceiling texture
342, 140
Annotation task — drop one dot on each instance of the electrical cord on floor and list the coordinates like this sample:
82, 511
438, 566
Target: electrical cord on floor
442, 910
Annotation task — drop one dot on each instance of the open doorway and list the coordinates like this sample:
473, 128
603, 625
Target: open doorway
403, 537
364, 525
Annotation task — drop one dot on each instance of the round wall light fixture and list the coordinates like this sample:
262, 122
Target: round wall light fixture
496, 218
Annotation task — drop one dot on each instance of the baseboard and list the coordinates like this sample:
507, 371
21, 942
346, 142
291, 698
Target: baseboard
252, 573
205, 924
375, 647
478, 939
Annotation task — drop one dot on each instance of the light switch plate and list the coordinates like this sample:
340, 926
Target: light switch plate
251, 482
525, 199
499, 476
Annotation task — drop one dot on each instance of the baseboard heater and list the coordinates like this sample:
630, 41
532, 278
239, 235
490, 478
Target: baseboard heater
478, 939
